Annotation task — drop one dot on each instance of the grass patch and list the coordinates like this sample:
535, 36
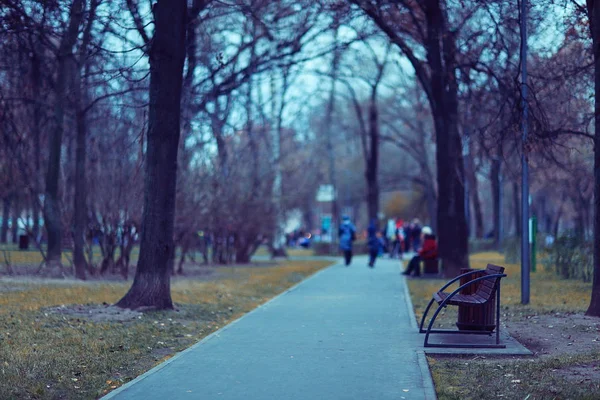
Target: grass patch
47, 354
545, 377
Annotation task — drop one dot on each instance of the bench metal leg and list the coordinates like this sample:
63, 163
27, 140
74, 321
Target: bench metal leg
429, 330
421, 330
426, 342
498, 315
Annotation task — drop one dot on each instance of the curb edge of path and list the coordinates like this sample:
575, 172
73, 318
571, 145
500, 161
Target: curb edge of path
163, 364
428, 386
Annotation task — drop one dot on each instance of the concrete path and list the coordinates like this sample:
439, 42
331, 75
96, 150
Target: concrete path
344, 333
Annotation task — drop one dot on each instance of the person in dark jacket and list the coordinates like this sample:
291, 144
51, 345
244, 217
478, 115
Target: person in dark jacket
347, 233
416, 234
428, 251
374, 242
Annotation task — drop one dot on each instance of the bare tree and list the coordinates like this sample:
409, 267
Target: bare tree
151, 285
430, 30
593, 8
52, 212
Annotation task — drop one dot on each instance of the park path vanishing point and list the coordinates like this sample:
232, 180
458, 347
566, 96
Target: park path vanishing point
344, 333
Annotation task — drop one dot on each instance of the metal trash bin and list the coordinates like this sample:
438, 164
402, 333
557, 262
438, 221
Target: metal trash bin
23, 242
475, 318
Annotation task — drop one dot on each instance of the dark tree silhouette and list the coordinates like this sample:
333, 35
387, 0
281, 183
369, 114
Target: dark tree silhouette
151, 285
593, 7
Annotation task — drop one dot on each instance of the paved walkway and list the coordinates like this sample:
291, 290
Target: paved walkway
344, 333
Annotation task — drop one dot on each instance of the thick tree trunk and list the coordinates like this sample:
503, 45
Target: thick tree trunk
476, 206
331, 170
80, 191
151, 286
16, 213
452, 225
496, 205
451, 220
5, 216
372, 166
37, 140
516, 209
80, 202
594, 15
52, 212
278, 242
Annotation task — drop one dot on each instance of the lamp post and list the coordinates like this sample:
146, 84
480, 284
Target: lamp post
525, 260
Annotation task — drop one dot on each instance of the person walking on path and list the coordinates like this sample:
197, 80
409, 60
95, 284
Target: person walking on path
347, 233
374, 242
429, 251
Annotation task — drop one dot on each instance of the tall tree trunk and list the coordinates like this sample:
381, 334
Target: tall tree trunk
278, 242
496, 205
329, 112
476, 204
516, 209
594, 15
80, 194
151, 285
556, 225
80, 199
373, 159
5, 216
452, 224
52, 212
37, 140
16, 213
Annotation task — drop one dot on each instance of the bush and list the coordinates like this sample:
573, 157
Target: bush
511, 247
570, 258
481, 245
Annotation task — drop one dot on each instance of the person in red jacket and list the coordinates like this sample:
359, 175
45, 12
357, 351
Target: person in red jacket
428, 251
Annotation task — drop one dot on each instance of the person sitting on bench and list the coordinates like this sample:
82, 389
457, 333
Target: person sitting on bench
428, 251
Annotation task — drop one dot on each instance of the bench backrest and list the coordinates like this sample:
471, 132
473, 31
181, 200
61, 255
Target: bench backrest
487, 287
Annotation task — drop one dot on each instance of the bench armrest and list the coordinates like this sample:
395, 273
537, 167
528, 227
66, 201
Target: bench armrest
470, 283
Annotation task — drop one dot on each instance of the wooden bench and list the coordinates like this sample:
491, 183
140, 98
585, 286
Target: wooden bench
488, 287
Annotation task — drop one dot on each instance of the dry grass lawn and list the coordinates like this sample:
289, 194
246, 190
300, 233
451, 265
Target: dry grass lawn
61, 339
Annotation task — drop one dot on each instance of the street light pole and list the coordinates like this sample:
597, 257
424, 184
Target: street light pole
525, 260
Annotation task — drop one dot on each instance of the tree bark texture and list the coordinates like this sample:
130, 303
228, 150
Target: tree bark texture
496, 205
516, 209
476, 205
452, 224
151, 285
5, 216
16, 211
52, 212
80, 199
80, 195
330, 110
37, 139
594, 15
373, 159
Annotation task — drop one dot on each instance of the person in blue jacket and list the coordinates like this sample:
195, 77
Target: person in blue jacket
347, 233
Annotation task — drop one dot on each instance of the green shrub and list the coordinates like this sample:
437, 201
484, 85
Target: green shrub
511, 247
481, 245
570, 258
